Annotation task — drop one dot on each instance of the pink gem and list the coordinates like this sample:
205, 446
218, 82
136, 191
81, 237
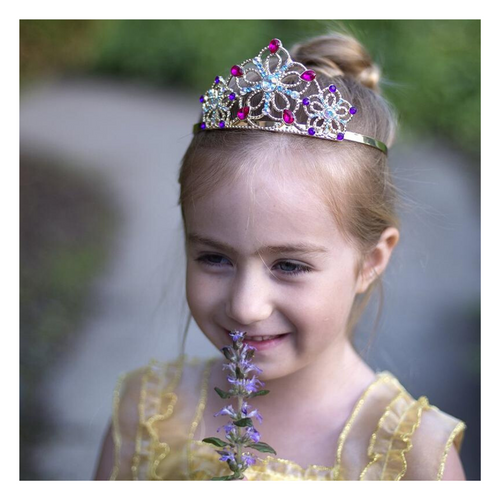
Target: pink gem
274, 45
288, 116
237, 70
243, 112
308, 75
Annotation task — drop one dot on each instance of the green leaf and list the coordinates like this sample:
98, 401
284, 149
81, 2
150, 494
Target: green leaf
258, 393
216, 441
222, 394
263, 447
244, 422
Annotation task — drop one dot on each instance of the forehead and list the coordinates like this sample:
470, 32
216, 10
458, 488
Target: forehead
263, 211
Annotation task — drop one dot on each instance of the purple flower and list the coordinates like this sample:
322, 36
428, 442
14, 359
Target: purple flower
248, 385
227, 410
253, 384
230, 430
253, 434
227, 455
248, 459
254, 413
245, 351
237, 336
248, 367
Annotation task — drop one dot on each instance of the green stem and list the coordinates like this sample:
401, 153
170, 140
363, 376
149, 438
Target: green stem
238, 446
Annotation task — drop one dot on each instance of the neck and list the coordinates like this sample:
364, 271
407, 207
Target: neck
333, 381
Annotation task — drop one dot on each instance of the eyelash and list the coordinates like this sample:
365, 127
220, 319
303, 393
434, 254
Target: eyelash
301, 268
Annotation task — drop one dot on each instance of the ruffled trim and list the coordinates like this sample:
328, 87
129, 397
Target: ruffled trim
456, 438
391, 440
206, 463
150, 450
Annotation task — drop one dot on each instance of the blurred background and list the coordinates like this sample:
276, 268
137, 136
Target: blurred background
106, 114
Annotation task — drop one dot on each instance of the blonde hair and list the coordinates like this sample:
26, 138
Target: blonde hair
354, 180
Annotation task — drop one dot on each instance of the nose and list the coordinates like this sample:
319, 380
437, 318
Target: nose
248, 300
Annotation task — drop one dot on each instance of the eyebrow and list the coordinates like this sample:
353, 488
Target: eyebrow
297, 248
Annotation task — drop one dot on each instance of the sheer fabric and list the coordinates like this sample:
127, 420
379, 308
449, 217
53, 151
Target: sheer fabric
389, 436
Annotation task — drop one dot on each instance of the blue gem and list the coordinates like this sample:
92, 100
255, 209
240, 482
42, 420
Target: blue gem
295, 94
203, 126
332, 88
311, 131
217, 80
340, 137
353, 111
222, 124
232, 95
305, 101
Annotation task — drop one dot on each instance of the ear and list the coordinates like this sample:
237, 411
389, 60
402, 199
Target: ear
378, 258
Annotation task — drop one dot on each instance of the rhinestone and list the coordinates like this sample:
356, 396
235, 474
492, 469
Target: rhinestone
203, 126
353, 111
332, 88
328, 113
222, 124
243, 112
308, 75
340, 136
288, 116
305, 101
294, 94
311, 131
217, 79
237, 70
202, 98
232, 95
274, 45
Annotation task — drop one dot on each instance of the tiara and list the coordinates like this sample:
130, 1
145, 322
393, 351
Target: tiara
268, 92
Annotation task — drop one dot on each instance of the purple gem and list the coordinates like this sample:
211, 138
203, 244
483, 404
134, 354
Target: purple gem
332, 88
217, 80
308, 75
232, 95
340, 136
202, 99
274, 45
203, 126
305, 101
311, 131
237, 70
222, 124
288, 116
353, 111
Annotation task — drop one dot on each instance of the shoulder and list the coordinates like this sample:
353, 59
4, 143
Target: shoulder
133, 394
433, 441
436, 446
413, 440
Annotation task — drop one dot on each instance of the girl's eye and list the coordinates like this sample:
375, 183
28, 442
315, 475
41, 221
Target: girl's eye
296, 268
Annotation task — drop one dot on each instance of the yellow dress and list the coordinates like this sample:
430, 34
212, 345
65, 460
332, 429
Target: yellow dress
157, 410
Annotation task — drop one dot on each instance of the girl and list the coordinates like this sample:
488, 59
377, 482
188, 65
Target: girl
289, 222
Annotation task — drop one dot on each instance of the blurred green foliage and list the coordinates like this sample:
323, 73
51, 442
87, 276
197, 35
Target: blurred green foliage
431, 67
66, 226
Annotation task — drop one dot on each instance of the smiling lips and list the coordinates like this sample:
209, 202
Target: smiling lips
261, 338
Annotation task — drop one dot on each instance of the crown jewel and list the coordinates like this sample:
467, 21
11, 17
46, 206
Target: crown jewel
272, 92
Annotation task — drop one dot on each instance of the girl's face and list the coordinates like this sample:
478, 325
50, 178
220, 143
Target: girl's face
305, 293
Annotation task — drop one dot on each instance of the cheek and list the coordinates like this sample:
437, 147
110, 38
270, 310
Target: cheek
325, 308
201, 292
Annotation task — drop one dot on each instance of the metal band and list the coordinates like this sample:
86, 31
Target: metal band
284, 128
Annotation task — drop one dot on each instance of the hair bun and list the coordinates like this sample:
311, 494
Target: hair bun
337, 54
